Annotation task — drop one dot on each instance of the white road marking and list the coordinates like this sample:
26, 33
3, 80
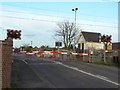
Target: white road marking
102, 77
97, 76
24, 61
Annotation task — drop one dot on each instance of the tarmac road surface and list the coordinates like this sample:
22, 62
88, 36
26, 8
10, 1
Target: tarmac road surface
33, 72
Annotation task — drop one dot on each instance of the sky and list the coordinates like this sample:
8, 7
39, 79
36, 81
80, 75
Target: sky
38, 20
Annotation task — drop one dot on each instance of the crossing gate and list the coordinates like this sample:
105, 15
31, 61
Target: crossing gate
48, 52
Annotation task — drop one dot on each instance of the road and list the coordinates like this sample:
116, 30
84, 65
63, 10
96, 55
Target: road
33, 72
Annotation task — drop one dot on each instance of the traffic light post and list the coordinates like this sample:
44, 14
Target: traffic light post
105, 39
105, 52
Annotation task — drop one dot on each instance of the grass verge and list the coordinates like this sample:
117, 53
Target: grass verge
106, 63
13, 85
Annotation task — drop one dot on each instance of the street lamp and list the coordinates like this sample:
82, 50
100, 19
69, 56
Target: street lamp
75, 10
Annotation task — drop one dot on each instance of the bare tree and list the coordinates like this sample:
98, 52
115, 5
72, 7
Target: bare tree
67, 32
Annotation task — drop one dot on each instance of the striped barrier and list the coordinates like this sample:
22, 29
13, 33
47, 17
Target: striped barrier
47, 52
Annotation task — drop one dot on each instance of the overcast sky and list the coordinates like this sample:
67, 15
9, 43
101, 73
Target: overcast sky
37, 20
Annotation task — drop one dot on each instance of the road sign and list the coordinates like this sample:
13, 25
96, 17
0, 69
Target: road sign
58, 43
109, 47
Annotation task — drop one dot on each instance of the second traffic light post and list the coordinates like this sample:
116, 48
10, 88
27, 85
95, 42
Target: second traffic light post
58, 44
105, 39
105, 52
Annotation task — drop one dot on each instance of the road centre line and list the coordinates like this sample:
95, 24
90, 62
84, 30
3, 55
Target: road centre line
24, 61
12, 61
97, 76
102, 77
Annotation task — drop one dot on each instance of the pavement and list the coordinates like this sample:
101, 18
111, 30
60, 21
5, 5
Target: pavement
34, 72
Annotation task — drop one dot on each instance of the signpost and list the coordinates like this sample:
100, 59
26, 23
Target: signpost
58, 44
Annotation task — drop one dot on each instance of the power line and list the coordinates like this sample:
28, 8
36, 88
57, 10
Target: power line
27, 18
53, 21
40, 9
55, 11
38, 14
54, 16
97, 25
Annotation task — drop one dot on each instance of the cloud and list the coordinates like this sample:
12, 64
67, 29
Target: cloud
29, 35
40, 28
39, 32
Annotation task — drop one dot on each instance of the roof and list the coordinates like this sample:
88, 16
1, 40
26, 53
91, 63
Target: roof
116, 43
91, 36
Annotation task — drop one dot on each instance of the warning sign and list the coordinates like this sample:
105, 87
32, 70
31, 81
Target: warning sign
109, 47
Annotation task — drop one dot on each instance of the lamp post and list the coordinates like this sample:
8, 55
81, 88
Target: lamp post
75, 10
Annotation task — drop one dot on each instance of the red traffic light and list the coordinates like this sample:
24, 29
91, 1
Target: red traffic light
17, 33
11, 32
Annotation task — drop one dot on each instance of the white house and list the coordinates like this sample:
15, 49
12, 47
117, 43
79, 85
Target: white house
89, 41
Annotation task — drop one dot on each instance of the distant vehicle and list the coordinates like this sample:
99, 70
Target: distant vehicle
22, 51
48, 54
30, 53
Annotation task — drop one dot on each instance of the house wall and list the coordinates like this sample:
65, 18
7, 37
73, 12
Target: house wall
5, 63
94, 45
116, 46
81, 39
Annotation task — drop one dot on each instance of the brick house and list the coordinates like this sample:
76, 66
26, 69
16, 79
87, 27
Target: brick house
89, 41
116, 46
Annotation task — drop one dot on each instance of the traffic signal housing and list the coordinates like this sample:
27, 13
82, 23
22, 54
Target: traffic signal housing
14, 34
58, 43
10, 34
108, 39
103, 38
17, 34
